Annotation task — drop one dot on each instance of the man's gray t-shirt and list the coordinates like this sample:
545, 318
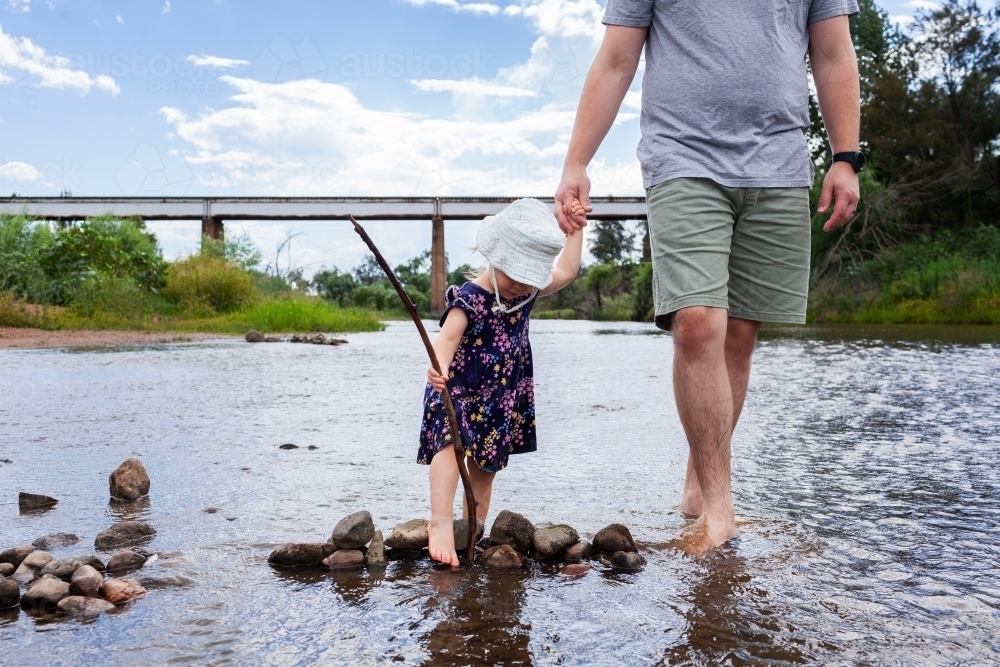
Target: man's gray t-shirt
725, 95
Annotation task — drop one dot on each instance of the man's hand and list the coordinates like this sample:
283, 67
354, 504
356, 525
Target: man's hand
840, 185
436, 379
573, 193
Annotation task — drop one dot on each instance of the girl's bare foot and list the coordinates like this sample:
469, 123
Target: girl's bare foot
441, 541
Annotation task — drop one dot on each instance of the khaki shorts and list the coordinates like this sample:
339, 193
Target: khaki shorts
742, 249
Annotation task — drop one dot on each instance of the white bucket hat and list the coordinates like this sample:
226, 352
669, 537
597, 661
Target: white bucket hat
522, 241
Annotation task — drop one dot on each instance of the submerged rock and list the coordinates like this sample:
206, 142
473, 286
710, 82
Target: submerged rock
6, 569
15, 555
292, 554
37, 560
76, 605
503, 557
353, 531
627, 561
288, 445
513, 529
10, 593
614, 538
124, 534
254, 336
34, 501
120, 591
574, 570
149, 581
55, 540
345, 559
375, 556
126, 559
553, 540
461, 530
86, 582
575, 553
129, 481
408, 535
44, 594
65, 567
316, 339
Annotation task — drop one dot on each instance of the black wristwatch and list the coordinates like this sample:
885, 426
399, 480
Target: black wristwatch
856, 158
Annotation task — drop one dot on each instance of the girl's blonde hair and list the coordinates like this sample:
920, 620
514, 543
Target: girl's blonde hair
473, 274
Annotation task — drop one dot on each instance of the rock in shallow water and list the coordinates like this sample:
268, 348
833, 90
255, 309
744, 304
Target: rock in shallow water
126, 559
575, 553
76, 605
124, 534
6, 569
503, 557
67, 565
55, 540
409, 535
129, 481
614, 538
575, 570
345, 559
292, 554
353, 531
44, 594
552, 540
10, 593
15, 555
627, 561
375, 556
34, 501
37, 559
461, 530
24, 575
120, 591
513, 529
86, 582
254, 336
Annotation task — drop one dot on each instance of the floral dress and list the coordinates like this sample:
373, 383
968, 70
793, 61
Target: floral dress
490, 382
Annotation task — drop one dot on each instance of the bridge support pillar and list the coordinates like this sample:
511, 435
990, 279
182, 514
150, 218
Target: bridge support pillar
439, 269
213, 229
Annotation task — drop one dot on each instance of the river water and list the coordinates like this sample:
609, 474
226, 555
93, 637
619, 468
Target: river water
866, 469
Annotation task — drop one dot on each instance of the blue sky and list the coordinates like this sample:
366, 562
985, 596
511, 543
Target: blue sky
304, 97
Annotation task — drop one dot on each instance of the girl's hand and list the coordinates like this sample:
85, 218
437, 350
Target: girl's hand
436, 379
574, 212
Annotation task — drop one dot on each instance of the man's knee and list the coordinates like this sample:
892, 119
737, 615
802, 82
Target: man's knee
698, 329
741, 336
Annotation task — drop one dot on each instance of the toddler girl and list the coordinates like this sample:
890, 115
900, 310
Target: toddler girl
484, 351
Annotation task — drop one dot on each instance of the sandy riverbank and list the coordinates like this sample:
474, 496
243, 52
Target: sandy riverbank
39, 338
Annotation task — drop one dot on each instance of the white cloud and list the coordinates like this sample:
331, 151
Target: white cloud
471, 7
166, 7
119, 19
902, 20
21, 172
44, 70
471, 87
216, 62
19, 6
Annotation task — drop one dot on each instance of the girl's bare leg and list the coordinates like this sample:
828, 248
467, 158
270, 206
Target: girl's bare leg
482, 487
440, 531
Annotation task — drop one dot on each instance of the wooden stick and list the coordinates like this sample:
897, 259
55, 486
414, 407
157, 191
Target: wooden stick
456, 436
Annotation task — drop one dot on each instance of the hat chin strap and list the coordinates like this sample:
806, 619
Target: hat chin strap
498, 307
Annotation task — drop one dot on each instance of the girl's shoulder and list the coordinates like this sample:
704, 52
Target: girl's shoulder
470, 298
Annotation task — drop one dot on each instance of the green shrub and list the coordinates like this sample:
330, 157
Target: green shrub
21, 243
288, 316
16, 313
202, 284
113, 295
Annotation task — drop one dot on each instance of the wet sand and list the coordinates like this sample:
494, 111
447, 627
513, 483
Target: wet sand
39, 338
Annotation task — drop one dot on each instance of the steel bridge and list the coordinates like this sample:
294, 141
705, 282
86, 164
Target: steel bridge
214, 211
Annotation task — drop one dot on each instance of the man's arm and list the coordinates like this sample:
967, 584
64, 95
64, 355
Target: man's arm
607, 82
835, 72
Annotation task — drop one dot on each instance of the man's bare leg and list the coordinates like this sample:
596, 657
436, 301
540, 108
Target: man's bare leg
440, 531
705, 403
741, 338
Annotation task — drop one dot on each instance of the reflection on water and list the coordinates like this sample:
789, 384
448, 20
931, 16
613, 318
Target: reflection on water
865, 470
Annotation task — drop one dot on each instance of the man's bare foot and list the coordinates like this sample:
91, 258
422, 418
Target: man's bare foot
705, 534
441, 541
692, 504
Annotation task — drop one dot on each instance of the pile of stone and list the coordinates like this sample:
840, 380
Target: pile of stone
254, 336
76, 584
513, 539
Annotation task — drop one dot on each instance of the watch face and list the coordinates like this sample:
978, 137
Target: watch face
859, 159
